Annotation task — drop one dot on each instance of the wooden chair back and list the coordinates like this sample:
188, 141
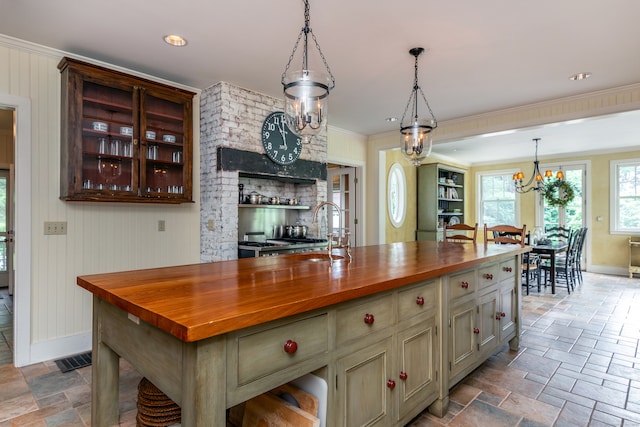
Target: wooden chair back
558, 233
505, 234
461, 237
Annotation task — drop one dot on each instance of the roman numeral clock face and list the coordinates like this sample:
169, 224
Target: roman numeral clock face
280, 144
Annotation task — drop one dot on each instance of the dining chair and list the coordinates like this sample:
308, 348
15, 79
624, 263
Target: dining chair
558, 233
505, 234
565, 263
465, 233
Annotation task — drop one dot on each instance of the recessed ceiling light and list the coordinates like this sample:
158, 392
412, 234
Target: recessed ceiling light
391, 119
175, 40
580, 76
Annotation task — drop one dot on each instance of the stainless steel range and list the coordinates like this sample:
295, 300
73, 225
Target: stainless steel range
251, 249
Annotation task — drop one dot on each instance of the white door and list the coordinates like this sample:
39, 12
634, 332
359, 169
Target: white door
341, 190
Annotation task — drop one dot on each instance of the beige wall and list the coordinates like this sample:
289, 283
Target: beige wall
101, 237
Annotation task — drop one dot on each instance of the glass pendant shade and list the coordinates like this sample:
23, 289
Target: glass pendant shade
306, 94
416, 140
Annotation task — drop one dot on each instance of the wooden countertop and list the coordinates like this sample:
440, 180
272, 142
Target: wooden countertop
194, 302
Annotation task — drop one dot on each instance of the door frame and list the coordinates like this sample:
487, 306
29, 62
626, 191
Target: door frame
22, 291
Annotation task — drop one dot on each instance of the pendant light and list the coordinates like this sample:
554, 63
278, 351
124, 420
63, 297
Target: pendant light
416, 132
538, 184
306, 91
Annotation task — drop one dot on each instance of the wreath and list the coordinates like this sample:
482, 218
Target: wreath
559, 193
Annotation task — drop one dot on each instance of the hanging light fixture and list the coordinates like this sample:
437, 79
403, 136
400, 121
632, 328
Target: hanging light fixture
538, 185
306, 91
416, 132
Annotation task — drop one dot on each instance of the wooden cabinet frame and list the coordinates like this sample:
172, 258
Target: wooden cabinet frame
123, 138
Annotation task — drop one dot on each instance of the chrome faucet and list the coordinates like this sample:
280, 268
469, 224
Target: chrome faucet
341, 242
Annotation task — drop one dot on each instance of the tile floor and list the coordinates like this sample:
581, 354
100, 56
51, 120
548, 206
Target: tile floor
579, 365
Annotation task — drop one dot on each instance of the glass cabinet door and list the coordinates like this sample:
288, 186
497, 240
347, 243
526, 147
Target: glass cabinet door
163, 157
108, 154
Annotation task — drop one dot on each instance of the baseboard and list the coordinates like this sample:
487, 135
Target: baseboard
607, 269
60, 347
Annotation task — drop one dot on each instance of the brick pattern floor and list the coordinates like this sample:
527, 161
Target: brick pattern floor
578, 365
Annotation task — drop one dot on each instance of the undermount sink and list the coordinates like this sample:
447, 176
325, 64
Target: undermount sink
316, 257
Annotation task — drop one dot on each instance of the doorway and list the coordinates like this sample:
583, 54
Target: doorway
342, 184
19, 108
6, 235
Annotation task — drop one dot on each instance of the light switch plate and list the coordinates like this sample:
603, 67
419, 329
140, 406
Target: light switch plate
55, 227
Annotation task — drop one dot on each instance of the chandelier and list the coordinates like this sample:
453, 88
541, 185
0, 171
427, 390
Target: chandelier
416, 133
538, 185
306, 91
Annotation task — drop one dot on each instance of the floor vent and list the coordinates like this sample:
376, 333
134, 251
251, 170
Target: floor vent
74, 362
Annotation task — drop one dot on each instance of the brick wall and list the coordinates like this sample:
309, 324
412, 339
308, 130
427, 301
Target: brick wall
232, 117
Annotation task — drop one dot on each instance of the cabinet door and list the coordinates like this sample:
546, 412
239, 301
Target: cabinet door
487, 322
363, 394
165, 156
97, 138
508, 301
417, 366
463, 337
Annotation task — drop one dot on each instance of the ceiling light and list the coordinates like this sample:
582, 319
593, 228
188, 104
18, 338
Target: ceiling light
416, 133
538, 185
175, 40
391, 119
580, 76
306, 91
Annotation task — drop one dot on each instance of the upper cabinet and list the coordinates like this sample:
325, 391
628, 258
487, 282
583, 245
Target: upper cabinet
123, 138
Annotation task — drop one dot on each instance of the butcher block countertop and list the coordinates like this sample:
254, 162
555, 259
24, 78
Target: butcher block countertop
194, 302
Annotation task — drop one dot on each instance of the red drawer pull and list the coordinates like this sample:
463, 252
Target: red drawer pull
290, 347
420, 300
369, 319
476, 331
403, 376
489, 276
503, 314
507, 269
391, 384
465, 285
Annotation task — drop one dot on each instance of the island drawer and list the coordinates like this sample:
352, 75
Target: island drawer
462, 284
355, 320
265, 351
507, 269
488, 275
417, 299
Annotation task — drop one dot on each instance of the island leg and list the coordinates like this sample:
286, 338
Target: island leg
204, 383
105, 376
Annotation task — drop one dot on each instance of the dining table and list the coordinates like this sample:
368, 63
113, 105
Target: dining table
550, 250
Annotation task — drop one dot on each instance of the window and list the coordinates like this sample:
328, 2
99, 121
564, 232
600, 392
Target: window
497, 199
397, 195
625, 196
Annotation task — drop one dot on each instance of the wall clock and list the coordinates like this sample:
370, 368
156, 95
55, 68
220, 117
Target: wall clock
280, 144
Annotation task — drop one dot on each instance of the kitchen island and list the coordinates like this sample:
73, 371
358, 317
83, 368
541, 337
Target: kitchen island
390, 332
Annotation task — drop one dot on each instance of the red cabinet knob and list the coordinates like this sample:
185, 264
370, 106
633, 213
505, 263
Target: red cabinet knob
420, 300
465, 285
476, 331
290, 347
403, 376
489, 276
391, 384
507, 269
498, 316
369, 319
503, 314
